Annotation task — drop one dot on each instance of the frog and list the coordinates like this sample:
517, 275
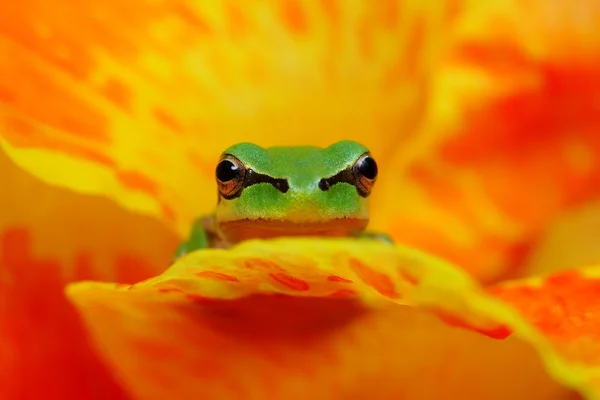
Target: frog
288, 191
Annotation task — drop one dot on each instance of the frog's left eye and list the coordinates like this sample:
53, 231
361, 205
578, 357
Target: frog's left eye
230, 174
365, 174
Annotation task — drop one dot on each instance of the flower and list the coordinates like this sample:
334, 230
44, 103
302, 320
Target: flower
483, 118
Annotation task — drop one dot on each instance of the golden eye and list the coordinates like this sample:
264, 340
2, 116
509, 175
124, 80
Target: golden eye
365, 174
230, 174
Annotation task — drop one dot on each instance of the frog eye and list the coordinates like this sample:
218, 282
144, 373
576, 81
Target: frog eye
230, 174
365, 174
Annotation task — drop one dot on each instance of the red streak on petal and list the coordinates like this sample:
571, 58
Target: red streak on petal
334, 278
258, 264
217, 276
409, 278
290, 281
377, 280
170, 290
196, 298
497, 332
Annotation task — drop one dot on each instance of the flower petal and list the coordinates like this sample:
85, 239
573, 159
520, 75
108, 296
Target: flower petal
44, 349
143, 93
512, 139
48, 237
333, 318
90, 236
564, 308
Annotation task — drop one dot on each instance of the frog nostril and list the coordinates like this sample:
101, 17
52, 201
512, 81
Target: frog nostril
323, 185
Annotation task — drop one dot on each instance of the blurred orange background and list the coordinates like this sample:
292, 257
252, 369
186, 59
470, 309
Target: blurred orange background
484, 118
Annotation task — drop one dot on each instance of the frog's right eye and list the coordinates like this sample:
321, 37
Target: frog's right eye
230, 174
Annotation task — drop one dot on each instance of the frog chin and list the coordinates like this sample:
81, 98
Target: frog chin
243, 229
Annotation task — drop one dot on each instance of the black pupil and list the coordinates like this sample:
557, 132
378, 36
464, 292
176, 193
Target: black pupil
226, 171
368, 168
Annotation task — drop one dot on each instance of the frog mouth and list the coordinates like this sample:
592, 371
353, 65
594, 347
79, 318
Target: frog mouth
235, 231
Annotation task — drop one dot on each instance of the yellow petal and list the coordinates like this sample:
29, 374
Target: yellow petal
136, 100
50, 236
563, 307
329, 318
90, 236
511, 140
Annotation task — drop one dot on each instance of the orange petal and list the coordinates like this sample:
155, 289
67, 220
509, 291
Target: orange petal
512, 140
334, 318
91, 237
44, 350
565, 309
136, 100
48, 237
